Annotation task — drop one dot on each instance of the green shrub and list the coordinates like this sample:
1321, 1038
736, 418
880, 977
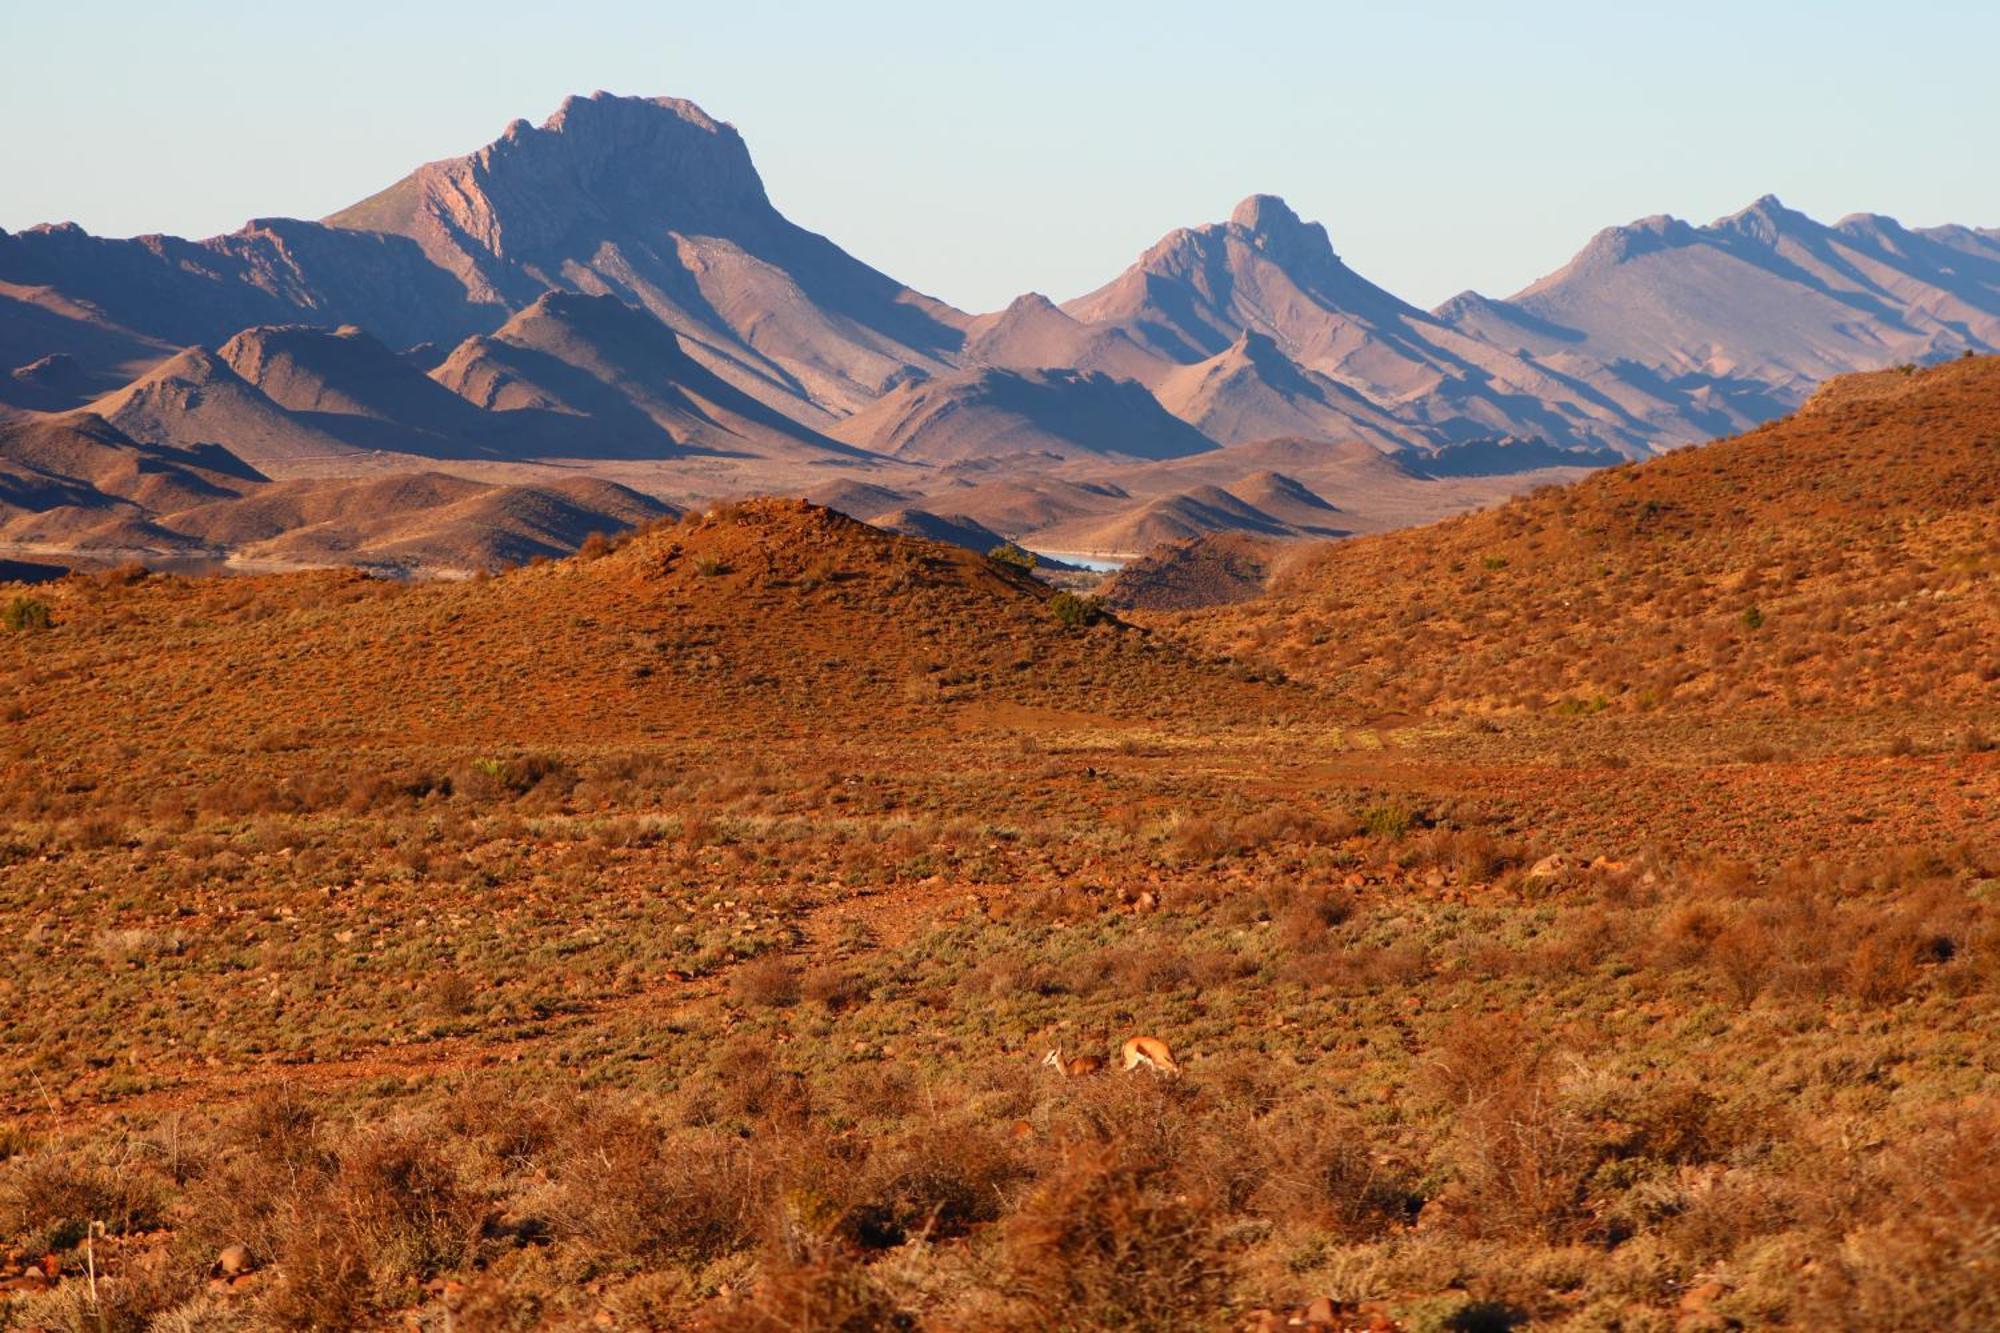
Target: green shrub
26, 613
1009, 554
1752, 618
1390, 820
1075, 611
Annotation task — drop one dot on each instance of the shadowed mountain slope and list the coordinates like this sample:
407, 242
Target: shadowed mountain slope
600, 377
77, 480
345, 383
83, 448
1251, 391
345, 372
954, 528
1013, 506
165, 292
79, 485
1169, 518
1288, 500
196, 398
1033, 333
421, 521
56, 351
1005, 413
858, 499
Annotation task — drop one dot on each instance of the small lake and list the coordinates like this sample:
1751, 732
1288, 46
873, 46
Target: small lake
1101, 564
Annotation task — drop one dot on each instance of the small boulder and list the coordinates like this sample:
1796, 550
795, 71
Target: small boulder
1551, 868
234, 1261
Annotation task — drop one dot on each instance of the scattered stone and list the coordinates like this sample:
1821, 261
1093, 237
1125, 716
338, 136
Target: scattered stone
234, 1261
1553, 867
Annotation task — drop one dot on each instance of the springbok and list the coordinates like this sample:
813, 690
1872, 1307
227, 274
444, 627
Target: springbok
1076, 1066
1153, 1054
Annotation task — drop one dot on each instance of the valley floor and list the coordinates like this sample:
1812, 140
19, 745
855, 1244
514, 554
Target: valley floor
1615, 1021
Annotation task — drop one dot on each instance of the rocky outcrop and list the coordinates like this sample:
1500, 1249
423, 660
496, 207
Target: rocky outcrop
655, 201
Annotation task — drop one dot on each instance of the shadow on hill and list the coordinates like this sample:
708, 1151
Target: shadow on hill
604, 423
31, 571
1092, 409
1501, 457
616, 362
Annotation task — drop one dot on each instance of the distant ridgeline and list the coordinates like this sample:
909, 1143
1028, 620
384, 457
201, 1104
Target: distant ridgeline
614, 289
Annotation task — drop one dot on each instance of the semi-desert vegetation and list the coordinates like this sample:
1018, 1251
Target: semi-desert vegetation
1132, 752
674, 935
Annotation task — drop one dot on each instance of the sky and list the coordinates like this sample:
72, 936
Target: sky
979, 151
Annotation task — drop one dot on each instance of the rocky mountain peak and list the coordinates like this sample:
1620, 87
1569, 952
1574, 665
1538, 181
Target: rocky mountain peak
1265, 213
1763, 221
657, 163
641, 158
1465, 305
1616, 245
1030, 303
1274, 228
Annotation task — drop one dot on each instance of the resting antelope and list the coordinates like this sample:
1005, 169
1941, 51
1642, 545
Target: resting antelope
1076, 1066
1153, 1054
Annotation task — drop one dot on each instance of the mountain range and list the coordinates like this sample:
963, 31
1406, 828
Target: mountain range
612, 294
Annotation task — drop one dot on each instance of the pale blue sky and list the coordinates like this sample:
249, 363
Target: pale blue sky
979, 151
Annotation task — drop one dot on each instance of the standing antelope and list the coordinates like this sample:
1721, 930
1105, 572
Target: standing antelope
1077, 1066
1153, 1054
